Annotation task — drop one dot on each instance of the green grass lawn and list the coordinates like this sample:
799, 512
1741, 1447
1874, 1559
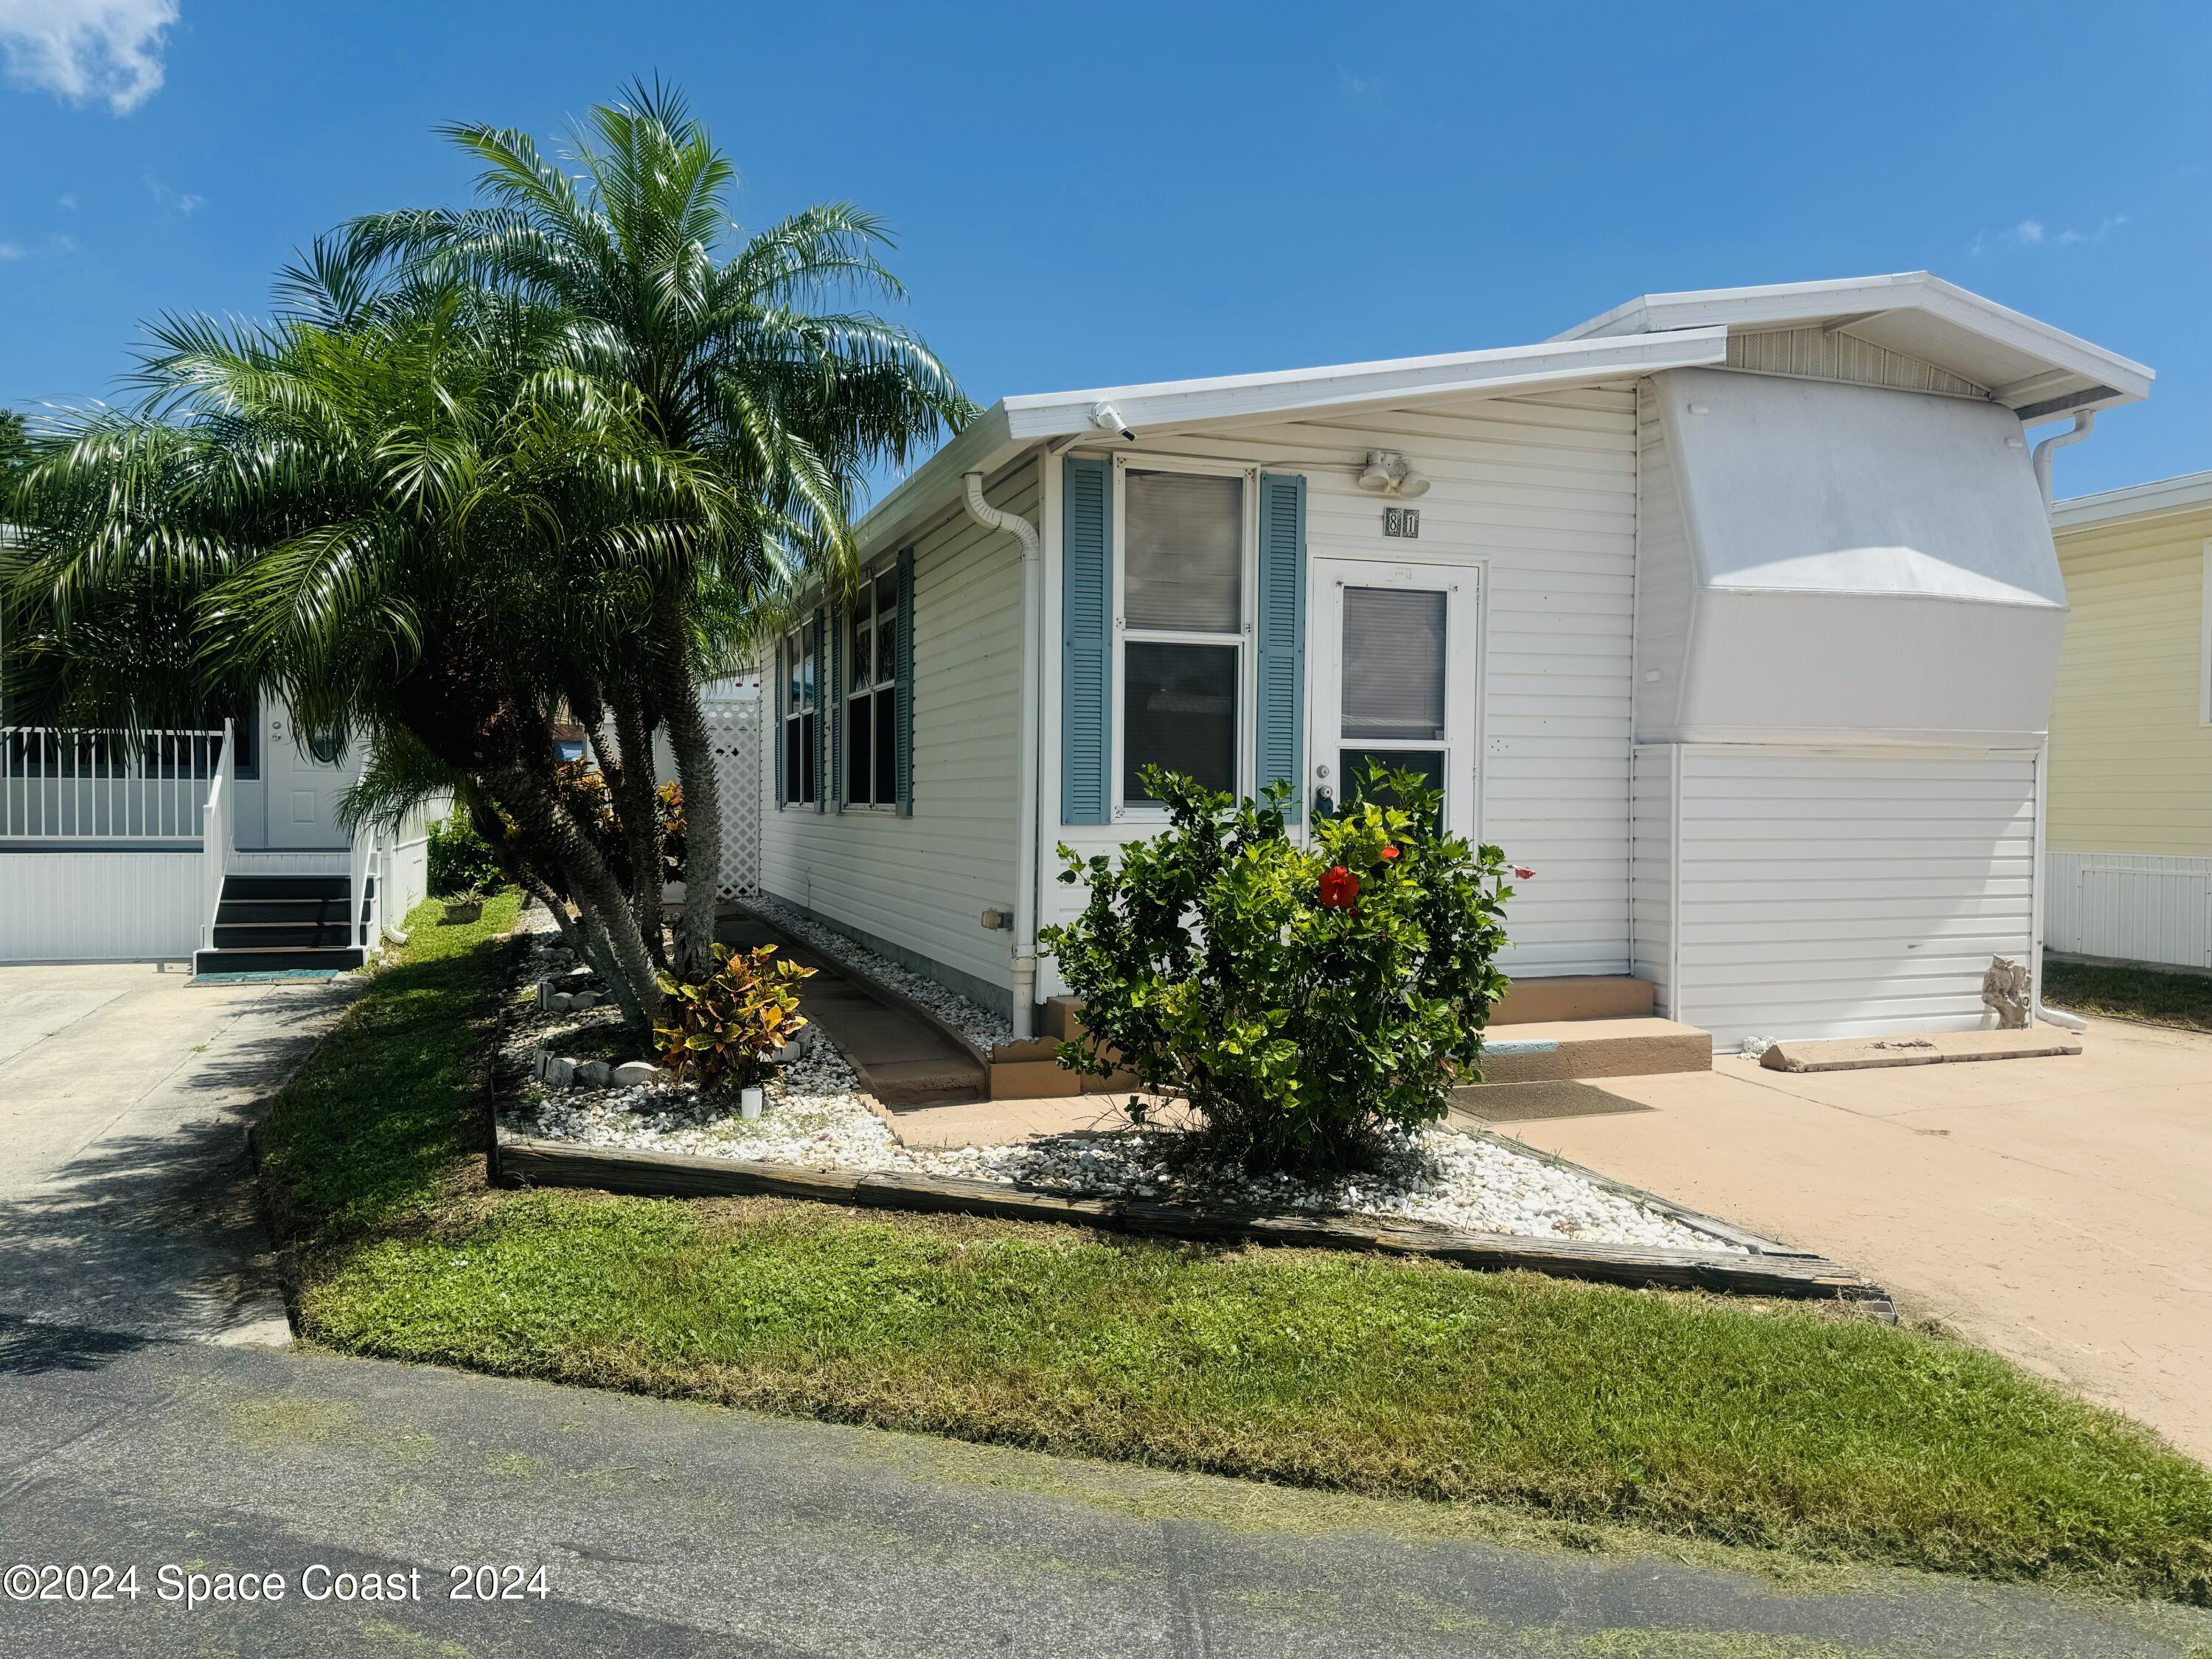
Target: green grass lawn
2157, 996
1694, 1416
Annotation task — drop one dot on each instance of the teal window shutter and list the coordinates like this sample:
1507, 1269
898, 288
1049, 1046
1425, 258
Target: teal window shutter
1086, 642
903, 696
776, 737
821, 702
832, 703
1281, 712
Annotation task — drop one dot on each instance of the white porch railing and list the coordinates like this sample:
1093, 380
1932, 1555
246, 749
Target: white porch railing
364, 908
153, 787
216, 817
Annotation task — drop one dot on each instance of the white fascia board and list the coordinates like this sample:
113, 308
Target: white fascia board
2142, 501
1784, 303
1002, 432
983, 446
1181, 404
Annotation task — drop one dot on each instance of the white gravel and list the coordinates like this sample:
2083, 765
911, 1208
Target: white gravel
815, 1116
977, 1023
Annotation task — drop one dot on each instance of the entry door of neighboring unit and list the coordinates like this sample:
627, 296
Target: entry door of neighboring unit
1394, 662
303, 778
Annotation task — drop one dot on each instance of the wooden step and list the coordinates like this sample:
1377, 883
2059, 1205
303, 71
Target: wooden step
1574, 996
286, 887
1540, 1051
274, 961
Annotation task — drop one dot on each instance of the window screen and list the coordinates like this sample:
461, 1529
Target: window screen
1394, 662
1184, 543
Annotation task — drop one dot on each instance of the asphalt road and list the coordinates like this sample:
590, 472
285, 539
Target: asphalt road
665, 1529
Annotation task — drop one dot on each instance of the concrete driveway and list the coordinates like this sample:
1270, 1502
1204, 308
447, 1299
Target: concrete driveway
126, 1201
2058, 1211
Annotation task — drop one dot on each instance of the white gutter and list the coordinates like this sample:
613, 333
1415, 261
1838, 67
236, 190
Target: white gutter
1025, 812
2084, 423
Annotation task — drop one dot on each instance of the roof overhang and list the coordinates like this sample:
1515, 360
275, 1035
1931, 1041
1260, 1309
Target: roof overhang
2190, 492
1003, 431
2037, 371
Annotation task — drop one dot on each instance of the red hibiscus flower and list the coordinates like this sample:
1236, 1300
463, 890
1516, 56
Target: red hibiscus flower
1522, 872
1389, 851
1339, 887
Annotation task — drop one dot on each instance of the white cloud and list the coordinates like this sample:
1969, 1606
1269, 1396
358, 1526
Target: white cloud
9, 251
68, 203
170, 201
2028, 232
80, 50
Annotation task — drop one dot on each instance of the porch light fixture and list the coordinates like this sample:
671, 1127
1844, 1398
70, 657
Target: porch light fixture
1389, 473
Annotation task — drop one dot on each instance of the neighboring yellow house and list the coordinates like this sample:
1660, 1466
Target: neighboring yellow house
2129, 807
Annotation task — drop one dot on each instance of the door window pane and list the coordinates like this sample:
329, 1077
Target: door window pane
1428, 763
1179, 711
1394, 662
1184, 546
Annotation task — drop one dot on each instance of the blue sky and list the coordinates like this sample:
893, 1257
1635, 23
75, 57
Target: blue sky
1087, 195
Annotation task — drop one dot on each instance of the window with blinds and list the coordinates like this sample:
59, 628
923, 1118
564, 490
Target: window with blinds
1181, 627
1393, 663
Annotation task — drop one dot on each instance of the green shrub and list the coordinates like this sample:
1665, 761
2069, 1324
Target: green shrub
460, 862
719, 1032
1303, 1000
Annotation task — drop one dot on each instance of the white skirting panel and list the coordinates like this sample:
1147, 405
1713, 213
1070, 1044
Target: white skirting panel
406, 879
99, 907
2133, 906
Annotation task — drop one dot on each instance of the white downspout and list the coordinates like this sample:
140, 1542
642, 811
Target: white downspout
1025, 812
2083, 423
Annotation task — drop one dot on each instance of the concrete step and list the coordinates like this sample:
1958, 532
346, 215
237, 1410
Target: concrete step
1540, 1051
1918, 1049
1574, 996
904, 1083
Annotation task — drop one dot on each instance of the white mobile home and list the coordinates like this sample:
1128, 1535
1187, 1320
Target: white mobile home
1733, 613
220, 847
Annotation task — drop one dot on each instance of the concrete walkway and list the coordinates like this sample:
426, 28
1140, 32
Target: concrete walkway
903, 1059
126, 1201
2058, 1211
667, 1529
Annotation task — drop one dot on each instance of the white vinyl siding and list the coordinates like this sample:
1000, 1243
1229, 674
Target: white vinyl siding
1664, 579
1651, 877
919, 886
1543, 490
1844, 893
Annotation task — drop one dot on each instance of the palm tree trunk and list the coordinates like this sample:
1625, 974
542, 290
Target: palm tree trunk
551, 831
677, 694
635, 803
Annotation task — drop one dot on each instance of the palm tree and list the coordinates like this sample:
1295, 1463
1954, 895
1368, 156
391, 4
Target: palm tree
401, 512
737, 359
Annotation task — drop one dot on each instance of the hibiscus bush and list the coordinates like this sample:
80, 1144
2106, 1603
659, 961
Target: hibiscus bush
1306, 1000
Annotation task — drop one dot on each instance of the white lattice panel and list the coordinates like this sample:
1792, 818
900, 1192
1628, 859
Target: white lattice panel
733, 730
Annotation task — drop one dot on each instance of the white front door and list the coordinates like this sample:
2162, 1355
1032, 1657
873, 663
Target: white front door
1396, 662
303, 781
